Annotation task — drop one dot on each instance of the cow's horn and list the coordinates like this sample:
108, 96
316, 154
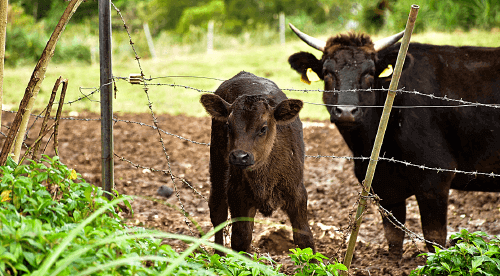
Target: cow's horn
311, 41
388, 41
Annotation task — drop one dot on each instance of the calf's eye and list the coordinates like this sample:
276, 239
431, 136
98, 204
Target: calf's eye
263, 130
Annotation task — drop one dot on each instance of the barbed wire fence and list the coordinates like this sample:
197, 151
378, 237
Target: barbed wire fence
145, 83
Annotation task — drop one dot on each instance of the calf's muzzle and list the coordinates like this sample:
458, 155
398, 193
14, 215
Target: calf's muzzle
241, 158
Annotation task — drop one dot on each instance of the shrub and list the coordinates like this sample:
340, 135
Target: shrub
47, 209
312, 264
24, 40
471, 255
75, 51
442, 15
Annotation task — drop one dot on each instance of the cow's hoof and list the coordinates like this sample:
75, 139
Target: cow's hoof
395, 252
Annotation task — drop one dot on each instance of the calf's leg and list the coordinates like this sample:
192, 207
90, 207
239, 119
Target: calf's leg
219, 175
297, 212
241, 237
218, 213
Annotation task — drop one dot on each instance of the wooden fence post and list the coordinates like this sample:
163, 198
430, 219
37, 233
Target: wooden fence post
3, 32
380, 134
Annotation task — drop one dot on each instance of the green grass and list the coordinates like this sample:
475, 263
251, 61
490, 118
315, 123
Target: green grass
266, 61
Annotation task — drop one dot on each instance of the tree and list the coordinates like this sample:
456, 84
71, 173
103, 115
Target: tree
166, 13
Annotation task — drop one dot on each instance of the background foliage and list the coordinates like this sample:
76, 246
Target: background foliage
254, 22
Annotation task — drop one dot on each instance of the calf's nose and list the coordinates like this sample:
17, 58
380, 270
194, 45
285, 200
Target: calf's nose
241, 158
345, 114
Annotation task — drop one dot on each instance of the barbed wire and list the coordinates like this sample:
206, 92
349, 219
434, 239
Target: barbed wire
147, 82
195, 77
394, 106
183, 180
423, 167
462, 103
155, 122
168, 133
412, 235
180, 85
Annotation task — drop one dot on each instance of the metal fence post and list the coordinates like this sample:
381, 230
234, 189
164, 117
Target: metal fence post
282, 27
149, 38
106, 85
380, 133
210, 36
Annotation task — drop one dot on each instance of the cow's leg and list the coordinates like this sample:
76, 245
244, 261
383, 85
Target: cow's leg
297, 212
432, 198
433, 216
241, 237
219, 168
394, 235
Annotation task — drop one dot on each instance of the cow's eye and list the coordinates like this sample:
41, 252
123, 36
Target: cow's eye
368, 77
367, 80
263, 130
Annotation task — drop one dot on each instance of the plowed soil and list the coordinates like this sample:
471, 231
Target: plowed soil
332, 189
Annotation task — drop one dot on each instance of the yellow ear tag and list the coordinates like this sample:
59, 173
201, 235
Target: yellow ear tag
387, 72
304, 79
311, 75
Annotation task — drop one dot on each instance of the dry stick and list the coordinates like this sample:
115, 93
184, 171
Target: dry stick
37, 141
3, 32
22, 117
58, 115
380, 134
48, 109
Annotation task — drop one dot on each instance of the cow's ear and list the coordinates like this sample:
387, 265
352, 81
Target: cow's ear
301, 61
215, 106
389, 58
287, 111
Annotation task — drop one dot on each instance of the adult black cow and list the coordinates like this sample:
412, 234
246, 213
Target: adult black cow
438, 136
256, 157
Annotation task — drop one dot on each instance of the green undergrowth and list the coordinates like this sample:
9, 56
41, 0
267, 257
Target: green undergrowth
471, 255
52, 222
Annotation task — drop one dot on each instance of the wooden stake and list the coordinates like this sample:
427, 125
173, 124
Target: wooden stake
20, 122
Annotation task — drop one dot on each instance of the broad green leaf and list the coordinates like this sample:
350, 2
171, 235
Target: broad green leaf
30, 257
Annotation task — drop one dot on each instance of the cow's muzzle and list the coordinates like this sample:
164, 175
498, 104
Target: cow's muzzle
345, 115
241, 158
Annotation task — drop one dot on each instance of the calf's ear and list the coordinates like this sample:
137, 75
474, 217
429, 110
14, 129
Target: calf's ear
287, 111
215, 106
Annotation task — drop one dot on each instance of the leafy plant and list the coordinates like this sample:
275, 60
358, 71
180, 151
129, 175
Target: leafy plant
46, 209
312, 264
233, 264
54, 223
472, 255
40, 203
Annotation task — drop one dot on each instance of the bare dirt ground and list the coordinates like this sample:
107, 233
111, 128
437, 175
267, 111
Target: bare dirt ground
331, 184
